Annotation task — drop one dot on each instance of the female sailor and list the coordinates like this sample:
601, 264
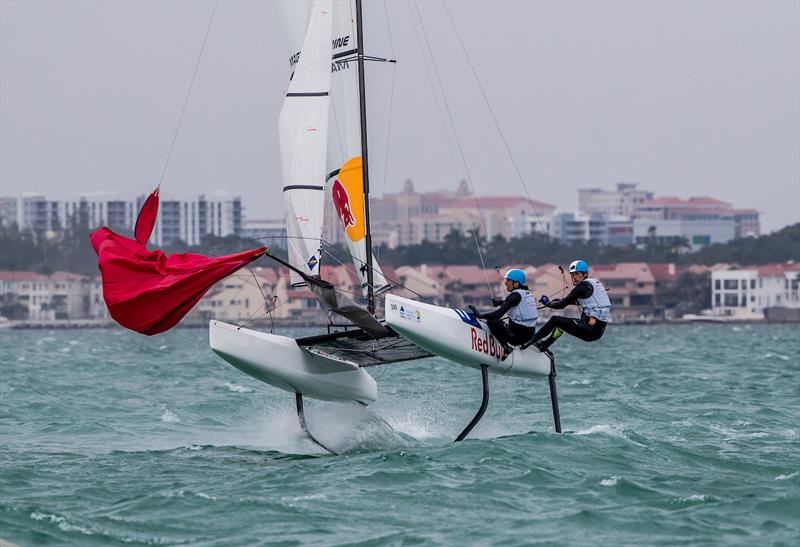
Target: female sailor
520, 306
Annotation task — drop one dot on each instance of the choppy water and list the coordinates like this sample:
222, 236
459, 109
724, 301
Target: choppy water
673, 434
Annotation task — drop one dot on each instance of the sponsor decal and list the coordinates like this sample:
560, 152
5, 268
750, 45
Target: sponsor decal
340, 42
468, 318
312, 262
336, 43
485, 343
336, 66
410, 314
347, 196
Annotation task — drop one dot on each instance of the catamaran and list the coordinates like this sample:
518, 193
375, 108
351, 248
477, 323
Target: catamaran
324, 153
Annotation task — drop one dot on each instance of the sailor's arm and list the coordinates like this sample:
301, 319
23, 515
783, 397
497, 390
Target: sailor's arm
581, 290
511, 300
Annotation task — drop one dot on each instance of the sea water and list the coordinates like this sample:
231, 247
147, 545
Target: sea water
672, 435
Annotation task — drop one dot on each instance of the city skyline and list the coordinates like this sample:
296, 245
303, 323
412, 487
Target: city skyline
686, 99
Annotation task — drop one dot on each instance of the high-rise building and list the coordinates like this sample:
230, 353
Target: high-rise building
188, 219
408, 217
619, 202
700, 221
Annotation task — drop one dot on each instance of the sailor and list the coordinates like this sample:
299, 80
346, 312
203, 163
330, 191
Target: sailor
590, 295
520, 306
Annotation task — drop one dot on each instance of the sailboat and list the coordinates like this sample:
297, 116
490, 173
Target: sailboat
324, 153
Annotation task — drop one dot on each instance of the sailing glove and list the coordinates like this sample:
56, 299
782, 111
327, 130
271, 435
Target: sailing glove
544, 301
474, 311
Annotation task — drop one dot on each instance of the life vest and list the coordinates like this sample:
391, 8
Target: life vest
598, 305
524, 313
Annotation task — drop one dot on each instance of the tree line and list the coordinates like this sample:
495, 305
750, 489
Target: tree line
69, 250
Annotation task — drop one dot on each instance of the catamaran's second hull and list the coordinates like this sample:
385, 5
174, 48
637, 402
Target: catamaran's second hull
279, 361
456, 335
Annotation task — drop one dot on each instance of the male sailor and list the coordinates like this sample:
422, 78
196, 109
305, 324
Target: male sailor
590, 295
520, 306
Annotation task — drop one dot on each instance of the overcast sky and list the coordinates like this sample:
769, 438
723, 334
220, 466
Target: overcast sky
684, 98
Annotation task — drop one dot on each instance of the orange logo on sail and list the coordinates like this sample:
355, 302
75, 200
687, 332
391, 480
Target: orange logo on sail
348, 198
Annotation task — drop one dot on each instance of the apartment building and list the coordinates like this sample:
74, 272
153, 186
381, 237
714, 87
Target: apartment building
746, 293
409, 217
270, 232
699, 220
179, 218
61, 295
619, 202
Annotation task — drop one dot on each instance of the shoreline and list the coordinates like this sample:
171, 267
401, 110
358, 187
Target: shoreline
103, 324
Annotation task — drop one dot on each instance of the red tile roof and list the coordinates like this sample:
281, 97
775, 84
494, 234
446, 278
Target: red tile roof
21, 275
772, 270
664, 272
704, 200
693, 203
657, 202
67, 276
498, 202
622, 270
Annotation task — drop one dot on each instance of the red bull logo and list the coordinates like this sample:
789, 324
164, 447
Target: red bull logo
341, 200
347, 194
484, 342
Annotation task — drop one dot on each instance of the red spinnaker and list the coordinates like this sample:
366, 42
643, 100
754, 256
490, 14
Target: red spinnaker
148, 291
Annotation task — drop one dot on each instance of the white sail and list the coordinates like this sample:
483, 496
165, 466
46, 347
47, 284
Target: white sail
303, 127
344, 185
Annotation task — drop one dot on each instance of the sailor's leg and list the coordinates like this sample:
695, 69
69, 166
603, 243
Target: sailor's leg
580, 329
546, 330
298, 399
500, 330
484, 404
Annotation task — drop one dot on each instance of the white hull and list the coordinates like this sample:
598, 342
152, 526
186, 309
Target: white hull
279, 361
456, 336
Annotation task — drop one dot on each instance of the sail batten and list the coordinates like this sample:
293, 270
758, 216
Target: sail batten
303, 126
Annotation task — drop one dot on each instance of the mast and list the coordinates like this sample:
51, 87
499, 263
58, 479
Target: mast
362, 101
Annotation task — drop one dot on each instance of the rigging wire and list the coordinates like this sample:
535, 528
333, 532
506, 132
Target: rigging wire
445, 132
491, 111
391, 105
188, 93
350, 268
266, 303
460, 149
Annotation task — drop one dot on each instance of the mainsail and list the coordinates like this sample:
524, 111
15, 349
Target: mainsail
303, 127
344, 184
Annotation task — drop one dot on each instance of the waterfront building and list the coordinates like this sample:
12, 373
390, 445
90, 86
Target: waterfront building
576, 226
31, 295
187, 219
700, 221
619, 202
409, 217
270, 232
748, 292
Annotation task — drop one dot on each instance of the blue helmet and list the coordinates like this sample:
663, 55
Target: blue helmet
516, 275
579, 266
